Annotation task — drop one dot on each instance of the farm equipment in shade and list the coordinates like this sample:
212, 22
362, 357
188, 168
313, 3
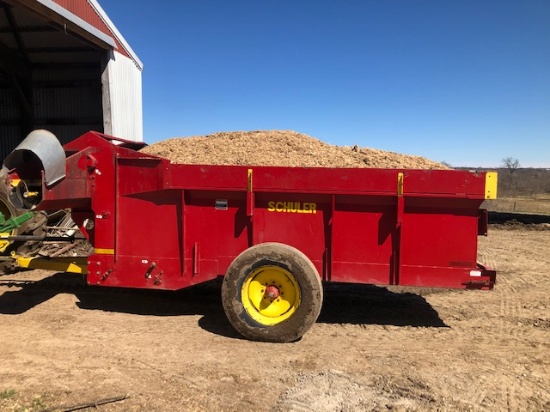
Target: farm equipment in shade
30, 234
273, 233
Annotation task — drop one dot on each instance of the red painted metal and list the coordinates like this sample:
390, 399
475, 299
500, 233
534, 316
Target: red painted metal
169, 226
89, 14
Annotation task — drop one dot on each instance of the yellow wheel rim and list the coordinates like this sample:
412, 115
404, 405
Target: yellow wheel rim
270, 295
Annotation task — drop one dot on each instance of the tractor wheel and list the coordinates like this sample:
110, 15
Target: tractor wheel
272, 292
8, 211
6, 246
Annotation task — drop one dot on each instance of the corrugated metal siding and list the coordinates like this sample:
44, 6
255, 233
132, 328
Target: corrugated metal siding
67, 133
68, 101
87, 13
10, 138
69, 104
86, 72
9, 110
67, 93
126, 98
10, 132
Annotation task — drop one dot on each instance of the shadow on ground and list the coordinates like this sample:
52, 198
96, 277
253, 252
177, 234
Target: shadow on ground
343, 303
375, 305
524, 218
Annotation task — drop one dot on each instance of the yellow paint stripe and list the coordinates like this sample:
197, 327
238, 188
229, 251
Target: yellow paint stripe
98, 251
249, 180
491, 182
400, 184
71, 265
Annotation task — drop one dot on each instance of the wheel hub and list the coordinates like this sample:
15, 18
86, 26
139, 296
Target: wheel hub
272, 292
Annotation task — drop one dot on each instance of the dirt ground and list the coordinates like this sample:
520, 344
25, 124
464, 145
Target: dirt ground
372, 349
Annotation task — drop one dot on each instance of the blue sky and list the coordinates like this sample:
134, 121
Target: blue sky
463, 81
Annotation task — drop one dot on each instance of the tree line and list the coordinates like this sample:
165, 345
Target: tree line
513, 180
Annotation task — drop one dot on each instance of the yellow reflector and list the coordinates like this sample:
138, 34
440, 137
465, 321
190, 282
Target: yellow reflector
491, 180
400, 184
99, 251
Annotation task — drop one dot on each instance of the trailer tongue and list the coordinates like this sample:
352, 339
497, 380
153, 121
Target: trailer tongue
274, 233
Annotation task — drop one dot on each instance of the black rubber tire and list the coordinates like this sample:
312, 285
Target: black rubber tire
9, 211
305, 275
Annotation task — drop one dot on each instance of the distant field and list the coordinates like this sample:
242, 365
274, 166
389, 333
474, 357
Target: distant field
539, 204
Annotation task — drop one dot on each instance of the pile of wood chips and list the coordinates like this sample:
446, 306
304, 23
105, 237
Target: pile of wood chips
279, 148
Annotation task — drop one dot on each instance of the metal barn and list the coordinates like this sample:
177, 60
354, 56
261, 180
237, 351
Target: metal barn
66, 68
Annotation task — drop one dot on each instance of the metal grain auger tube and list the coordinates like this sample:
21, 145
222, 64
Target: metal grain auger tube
39, 158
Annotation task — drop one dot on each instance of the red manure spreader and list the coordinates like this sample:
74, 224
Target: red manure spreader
273, 233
